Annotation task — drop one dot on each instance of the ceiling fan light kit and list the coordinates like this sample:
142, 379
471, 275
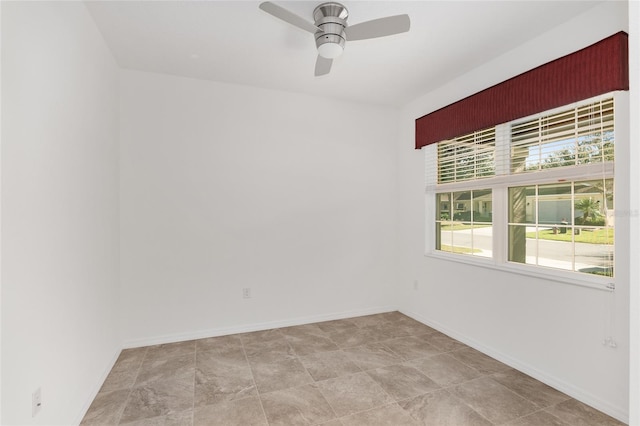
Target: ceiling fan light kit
331, 30
331, 18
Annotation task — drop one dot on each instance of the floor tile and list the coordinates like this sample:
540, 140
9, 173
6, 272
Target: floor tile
413, 327
269, 351
220, 380
309, 344
221, 344
184, 418
481, 362
166, 368
303, 405
394, 317
119, 379
372, 355
444, 370
441, 408
492, 400
353, 393
336, 325
402, 382
334, 422
303, 330
350, 337
576, 413
411, 347
106, 408
232, 355
376, 369
539, 418
389, 415
530, 388
231, 359
261, 336
130, 359
158, 398
328, 365
170, 350
125, 370
384, 331
243, 412
370, 320
280, 375
444, 342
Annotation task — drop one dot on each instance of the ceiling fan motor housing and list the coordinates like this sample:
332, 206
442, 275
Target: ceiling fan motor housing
332, 19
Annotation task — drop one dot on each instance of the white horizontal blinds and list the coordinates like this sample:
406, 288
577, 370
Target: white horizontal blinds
467, 157
595, 132
572, 137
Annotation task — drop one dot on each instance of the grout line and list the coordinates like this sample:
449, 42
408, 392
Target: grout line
465, 403
126, 401
253, 379
374, 408
537, 411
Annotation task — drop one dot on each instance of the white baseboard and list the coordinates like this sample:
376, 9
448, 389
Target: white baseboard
97, 386
619, 413
245, 328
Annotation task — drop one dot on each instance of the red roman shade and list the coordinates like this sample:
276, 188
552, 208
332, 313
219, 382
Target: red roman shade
600, 68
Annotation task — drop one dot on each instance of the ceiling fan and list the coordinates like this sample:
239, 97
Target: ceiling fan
331, 30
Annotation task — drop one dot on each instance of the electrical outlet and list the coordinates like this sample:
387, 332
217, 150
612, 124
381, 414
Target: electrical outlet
246, 293
36, 402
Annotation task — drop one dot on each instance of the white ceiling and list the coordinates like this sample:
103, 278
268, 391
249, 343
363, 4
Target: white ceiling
235, 42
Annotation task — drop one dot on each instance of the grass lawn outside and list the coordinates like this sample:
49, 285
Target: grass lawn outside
460, 226
589, 236
458, 249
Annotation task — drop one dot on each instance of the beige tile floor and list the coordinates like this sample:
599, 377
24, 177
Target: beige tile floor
385, 369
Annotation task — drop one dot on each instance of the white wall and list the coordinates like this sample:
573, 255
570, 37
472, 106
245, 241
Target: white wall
59, 211
225, 187
550, 330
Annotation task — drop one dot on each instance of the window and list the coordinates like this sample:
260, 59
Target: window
533, 193
566, 226
468, 231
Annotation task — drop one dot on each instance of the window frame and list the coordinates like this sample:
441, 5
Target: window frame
503, 179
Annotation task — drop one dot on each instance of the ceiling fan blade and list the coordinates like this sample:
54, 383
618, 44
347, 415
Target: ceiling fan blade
378, 28
287, 16
323, 65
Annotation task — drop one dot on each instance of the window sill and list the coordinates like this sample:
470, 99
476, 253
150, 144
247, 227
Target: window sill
540, 272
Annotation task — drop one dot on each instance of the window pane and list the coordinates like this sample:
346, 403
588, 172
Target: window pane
554, 203
443, 206
582, 135
469, 230
482, 240
521, 248
593, 202
594, 251
467, 157
522, 204
567, 226
443, 237
555, 250
462, 206
482, 206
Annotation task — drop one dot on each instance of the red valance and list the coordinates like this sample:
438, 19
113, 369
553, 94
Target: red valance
600, 68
